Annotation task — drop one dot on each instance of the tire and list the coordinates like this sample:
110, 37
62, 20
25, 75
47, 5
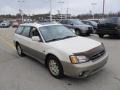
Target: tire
88, 34
55, 68
77, 32
101, 35
19, 50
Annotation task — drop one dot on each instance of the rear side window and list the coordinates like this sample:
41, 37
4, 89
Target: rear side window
113, 20
110, 20
64, 22
19, 30
70, 22
26, 31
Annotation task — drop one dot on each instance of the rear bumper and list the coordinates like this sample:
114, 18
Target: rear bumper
85, 69
85, 32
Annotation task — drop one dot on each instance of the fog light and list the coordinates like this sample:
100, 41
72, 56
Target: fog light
81, 74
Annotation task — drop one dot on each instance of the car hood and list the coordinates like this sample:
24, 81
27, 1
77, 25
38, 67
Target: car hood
75, 44
83, 27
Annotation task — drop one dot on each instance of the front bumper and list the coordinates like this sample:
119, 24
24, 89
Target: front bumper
106, 31
84, 69
4, 26
88, 31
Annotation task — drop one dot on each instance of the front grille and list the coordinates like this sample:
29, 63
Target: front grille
90, 28
94, 53
98, 55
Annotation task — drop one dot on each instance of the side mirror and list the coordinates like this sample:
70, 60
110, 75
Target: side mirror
36, 38
72, 30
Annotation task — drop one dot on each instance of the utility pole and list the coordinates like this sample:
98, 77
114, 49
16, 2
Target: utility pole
50, 10
20, 10
67, 13
67, 10
61, 2
103, 8
21, 13
93, 7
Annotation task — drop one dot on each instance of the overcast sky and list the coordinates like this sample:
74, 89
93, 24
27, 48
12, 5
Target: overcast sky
42, 6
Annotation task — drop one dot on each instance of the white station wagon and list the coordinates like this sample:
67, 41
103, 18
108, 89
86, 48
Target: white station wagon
62, 52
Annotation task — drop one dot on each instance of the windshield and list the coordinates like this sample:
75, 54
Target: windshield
55, 32
93, 23
77, 22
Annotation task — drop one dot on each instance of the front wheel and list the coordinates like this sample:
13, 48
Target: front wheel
77, 32
55, 67
101, 35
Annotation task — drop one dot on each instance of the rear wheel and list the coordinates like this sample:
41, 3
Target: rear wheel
55, 68
19, 50
101, 35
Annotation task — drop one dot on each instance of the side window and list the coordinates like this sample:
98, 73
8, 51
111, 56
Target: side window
19, 30
64, 22
87, 23
69, 22
34, 32
104, 21
26, 31
119, 21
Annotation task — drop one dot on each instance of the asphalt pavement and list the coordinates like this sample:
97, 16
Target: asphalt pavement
25, 73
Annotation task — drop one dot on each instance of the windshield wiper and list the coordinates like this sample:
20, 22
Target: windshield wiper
55, 39
68, 37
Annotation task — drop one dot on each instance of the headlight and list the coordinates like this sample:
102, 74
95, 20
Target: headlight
78, 59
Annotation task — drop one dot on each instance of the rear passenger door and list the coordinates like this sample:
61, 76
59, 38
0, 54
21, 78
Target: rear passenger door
25, 39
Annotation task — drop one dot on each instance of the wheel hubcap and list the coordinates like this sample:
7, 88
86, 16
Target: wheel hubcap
19, 50
54, 69
77, 32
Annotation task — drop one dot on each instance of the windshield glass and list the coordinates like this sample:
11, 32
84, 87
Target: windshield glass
93, 23
55, 32
77, 22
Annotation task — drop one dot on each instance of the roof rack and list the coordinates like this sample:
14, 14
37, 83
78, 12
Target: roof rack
53, 22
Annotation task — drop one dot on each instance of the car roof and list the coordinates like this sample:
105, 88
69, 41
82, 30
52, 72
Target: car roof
41, 24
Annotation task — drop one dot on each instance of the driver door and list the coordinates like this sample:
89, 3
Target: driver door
37, 47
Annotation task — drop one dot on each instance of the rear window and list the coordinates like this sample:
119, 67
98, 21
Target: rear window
64, 22
110, 20
19, 30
